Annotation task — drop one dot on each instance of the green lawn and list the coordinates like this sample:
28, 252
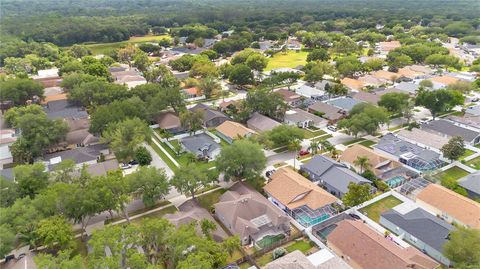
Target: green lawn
311, 134
304, 246
163, 156
269, 240
101, 48
157, 214
207, 200
367, 143
355, 140
467, 153
291, 59
454, 173
325, 137
182, 159
474, 163
374, 210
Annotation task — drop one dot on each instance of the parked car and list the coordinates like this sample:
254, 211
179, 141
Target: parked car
354, 216
133, 162
332, 128
269, 173
125, 166
303, 152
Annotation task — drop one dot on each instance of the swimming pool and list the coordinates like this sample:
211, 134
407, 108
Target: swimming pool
323, 233
306, 221
395, 181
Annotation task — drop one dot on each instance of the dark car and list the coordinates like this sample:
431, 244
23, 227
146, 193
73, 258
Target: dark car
354, 216
133, 162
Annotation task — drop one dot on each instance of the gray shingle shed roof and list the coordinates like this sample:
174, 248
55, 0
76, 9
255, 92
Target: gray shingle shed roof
450, 129
422, 225
334, 173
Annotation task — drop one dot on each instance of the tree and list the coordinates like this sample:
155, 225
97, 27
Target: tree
442, 60
461, 86
63, 171
98, 92
79, 51
314, 146
242, 159
127, 54
363, 162
463, 248
266, 102
318, 55
231, 244
426, 83
345, 45
72, 80
8, 192
241, 74
348, 66
394, 102
325, 145
256, 62
31, 179
209, 86
7, 239
373, 64
284, 134
317, 71
454, 149
207, 226
143, 156
203, 68
125, 137
357, 194
62, 260
190, 178
192, 121
141, 60
149, 183
439, 101
364, 118
19, 90
55, 233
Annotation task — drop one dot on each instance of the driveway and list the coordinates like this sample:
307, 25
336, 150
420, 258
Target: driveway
157, 162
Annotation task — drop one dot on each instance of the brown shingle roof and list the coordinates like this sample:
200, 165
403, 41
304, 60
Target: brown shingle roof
233, 129
353, 84
463, 209
287, 186
386, 75
330, 112
377, 162
446, 80
287, 95
360, 245
56, 97
168, 120
367, 97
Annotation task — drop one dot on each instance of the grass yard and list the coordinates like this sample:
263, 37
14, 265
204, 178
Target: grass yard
311, 134
474, 163
303, 245
291, 59
454, 173
157, 214
269, 240
355, 140
467, 153
163, 156
373, 211
102, 48
325, 137
367, 143
183, 158
207, 200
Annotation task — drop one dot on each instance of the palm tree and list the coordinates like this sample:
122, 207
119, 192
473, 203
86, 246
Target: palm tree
362, 162
325, 145
314, 146
334, 152
295, 146
209, 86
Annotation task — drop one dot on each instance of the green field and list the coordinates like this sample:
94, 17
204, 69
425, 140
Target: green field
474, 163
101, 48
454, 173
291, 59
467, 153
373, 211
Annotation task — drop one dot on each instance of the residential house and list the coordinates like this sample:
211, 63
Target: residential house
368, 97
473, 110
386, 76
294, 44
170, 122
408, 87
62, 109
302, 199
230, 130
392, 172
82, 155
261, 123
290, 98
228, 105
54, 97
353, 84
385, 47
372, 81
78, 134
419, 228
191, 211
471, 183
418, 158
312, 93
449, 129
102, 168
211, 117
409, 73
201, 145
421, 69
246, 213
193, 93
449, 205
423, 139
327, 111
321, 85
128, 76
190, 49
443, 81
363, 248
322, 259
48, 77
467, 121
7, 138
332, 176
344, 103
303, 119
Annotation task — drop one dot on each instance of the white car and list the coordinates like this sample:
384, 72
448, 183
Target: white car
125, 166
332, 128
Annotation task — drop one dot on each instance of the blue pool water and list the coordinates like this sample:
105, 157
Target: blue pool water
395, 182
308, 221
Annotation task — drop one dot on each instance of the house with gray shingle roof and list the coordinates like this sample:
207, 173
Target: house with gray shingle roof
471, 183
419, 228
62, 109
449, 129
211, 117
202, 145
332, 176
261, 123
344, 103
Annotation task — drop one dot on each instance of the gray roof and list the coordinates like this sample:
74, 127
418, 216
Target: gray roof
200, 143
422, 225
448, 128
208, 112
299, 115
63, 109
407, 87
333, 173
471, 182
321, 84
79, 155
186, 50
397, 147
345, 103
260, 122
309, 92
101, 169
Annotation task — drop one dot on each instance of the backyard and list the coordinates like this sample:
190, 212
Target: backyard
183, 158
157, 214
207, 200
304, 245
453, 173
102, 48
467, 153
291, 59
474, 163
373, 211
